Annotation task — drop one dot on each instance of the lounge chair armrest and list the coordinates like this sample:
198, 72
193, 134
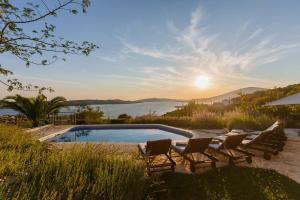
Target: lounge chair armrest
237, 130
142, 149
220, 138
181, 143
215, 141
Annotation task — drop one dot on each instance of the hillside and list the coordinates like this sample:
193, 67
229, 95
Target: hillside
265, 96
230, 95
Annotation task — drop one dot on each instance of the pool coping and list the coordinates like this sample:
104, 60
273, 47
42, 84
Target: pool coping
171, 129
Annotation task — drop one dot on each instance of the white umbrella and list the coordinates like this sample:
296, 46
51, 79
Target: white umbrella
290, 100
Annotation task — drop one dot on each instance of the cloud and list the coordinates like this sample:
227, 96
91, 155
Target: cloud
171, 26
195, 51
106, 58
45, 79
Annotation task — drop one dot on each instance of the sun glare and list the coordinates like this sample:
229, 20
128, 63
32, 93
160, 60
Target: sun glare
202, 82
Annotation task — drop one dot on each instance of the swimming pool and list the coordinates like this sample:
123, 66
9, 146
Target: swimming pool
121, 133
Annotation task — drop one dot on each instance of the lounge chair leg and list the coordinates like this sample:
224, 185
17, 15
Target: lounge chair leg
192, 167
213, 164
267, 156
249, 159
148, 171
231, 161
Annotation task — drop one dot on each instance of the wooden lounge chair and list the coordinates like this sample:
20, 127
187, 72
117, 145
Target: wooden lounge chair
228, 146
275, 137
278, 136
264, 142
157, 155
193, 146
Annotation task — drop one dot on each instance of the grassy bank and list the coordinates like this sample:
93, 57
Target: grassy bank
33, 170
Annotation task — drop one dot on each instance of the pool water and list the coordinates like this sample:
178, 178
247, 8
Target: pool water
117, 135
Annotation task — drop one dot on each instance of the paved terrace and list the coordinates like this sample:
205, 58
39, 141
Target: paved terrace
286, 163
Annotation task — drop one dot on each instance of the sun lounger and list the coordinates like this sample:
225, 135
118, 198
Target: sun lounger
265, 141
271, 138
275, 138
157, 155
195, 146
229, 147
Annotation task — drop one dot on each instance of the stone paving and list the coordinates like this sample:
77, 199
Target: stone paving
286, 163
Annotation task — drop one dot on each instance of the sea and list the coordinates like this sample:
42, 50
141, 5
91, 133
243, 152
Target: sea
114, 110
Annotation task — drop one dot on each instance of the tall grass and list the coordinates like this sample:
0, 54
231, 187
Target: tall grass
17, 151
78, 172
210, 120
239, 120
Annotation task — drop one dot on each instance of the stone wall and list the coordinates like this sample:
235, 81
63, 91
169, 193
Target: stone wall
12, 120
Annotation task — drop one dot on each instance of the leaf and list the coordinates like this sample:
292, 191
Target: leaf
12, 26
74, 12
44, 62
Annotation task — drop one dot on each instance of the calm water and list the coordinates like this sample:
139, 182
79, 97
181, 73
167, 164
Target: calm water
117, 135
114, 110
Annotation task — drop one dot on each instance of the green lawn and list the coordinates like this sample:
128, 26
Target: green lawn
35, 170
226, 183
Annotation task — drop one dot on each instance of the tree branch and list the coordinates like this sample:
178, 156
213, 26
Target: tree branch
36, 19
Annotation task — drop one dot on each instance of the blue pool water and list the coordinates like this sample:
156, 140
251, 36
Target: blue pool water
116, 135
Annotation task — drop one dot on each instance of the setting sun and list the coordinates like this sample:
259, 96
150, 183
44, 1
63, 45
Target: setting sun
202, 82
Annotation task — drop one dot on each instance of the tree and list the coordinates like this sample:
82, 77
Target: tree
38, 46
34, 108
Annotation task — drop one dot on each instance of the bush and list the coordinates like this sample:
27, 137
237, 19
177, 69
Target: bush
89, 115
124, 116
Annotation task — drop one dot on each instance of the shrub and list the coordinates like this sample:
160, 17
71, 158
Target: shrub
89, 115
124, 116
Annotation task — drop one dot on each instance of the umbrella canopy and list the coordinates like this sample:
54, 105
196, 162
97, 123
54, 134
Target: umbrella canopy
290, 100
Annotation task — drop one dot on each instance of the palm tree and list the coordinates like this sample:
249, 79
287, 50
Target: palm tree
34, 108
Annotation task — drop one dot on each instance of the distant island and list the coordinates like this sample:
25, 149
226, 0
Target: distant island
86, 102
219, 98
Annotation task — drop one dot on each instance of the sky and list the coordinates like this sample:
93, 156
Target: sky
171, 48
